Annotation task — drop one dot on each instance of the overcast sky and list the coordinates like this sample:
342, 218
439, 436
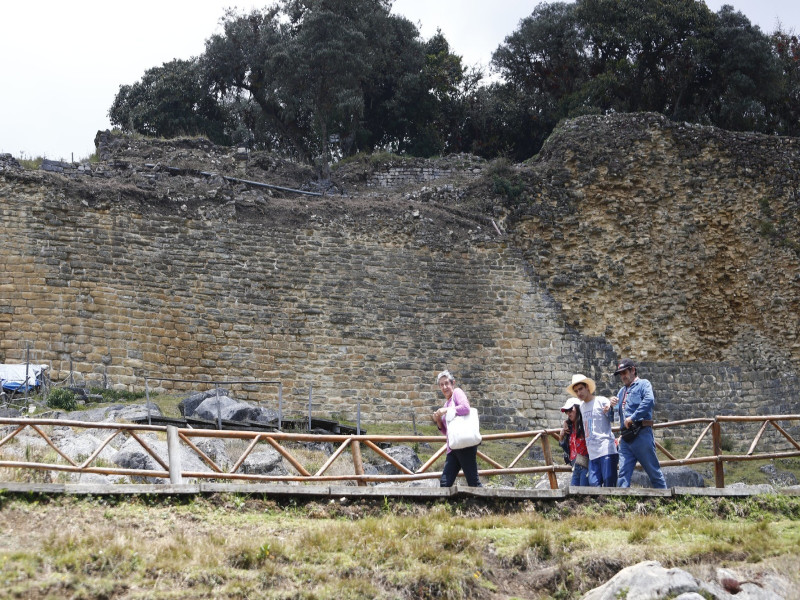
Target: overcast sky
61, 63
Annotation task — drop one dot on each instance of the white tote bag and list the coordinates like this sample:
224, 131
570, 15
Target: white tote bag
464, 431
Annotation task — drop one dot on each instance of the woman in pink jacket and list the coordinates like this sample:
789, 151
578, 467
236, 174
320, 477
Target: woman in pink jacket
464, 459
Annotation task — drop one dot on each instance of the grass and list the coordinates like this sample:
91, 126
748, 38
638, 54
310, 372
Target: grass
30, 163
243, 546
34, 163
374, 159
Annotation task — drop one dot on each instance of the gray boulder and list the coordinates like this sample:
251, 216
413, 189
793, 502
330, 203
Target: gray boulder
646, 580
227, 408
215, 449
266, 415
675, 477
728, 584
544, 481
650, 581
97, 479
133, 456
404, 455
325, 447
187, 406
92, 415
779, 478
264, 462
761, 488
81, 447
135, 412
116, 413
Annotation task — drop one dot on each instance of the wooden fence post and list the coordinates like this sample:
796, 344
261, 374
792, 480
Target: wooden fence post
174, 455
548, 460
357, 462
719, 468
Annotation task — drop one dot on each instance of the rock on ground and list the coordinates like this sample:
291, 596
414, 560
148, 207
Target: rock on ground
133, 456
675, 477
404, 455
650, 581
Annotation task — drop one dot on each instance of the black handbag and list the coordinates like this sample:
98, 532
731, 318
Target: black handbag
629, 433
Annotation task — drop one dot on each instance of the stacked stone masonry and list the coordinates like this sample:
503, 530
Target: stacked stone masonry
137, 276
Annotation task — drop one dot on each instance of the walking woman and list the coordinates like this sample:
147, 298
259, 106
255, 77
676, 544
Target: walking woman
573, 440
464, 459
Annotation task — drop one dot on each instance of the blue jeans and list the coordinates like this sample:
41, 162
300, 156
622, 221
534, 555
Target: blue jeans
580, 476
461, 460
643, 450
603, 471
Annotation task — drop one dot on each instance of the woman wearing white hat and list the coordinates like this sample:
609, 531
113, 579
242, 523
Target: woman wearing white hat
597, 416
573, 440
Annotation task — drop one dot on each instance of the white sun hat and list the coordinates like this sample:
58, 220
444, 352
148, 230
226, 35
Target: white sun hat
578, 378
569, 404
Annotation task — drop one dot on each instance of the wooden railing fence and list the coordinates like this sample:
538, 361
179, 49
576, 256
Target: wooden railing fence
522, 463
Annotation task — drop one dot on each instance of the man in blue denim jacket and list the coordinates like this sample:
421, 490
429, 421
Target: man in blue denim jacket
635, 400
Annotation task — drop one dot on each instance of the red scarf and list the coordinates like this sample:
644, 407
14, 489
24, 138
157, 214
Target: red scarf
576, 445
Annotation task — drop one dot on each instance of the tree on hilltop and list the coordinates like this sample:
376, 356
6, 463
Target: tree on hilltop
317, 80
169, 101
675, 57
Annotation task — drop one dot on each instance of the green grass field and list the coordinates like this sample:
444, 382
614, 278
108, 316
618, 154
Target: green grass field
244, 546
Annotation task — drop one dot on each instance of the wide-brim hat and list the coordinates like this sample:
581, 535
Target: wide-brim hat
569, 404
578, 378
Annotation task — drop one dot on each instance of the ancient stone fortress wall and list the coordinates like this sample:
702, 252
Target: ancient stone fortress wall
677, 244
634, 237
389, 175
363, 316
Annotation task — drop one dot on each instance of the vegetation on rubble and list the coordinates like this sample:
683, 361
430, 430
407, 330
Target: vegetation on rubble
62, 399
112, 395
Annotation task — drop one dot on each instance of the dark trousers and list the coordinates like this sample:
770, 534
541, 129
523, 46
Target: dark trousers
461, 460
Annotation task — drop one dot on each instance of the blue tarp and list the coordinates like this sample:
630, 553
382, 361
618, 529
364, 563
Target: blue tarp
12, 377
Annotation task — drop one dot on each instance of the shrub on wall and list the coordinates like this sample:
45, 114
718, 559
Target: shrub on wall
62, 399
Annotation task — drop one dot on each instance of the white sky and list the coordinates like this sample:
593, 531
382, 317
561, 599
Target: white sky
61, 63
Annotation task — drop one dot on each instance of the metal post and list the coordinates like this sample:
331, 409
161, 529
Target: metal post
358, 419
147, 398
414, 423
219, 408
71, 379
310, 391
280, 406
27, 369
174, 455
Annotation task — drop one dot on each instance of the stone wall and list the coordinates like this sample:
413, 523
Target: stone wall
363, 317
395, 176
138, 273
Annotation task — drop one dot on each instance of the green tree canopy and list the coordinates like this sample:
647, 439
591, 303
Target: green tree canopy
321, 79
169, 101
315, 79
675, 57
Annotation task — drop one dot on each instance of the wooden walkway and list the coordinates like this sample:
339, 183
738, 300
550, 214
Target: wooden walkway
351, 492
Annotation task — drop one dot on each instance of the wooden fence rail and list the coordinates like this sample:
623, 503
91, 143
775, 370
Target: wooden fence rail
522, 463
